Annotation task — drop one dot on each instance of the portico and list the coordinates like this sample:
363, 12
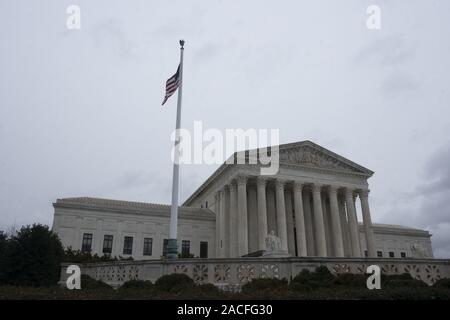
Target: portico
309, 204
328, 219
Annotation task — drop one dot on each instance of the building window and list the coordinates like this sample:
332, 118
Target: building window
203, 249
165, 243
128, 245
403, 254
391, 254
107, 243
379, 254
148, 243
86, 245
185, 248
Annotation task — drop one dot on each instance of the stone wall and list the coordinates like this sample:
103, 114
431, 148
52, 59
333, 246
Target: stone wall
230, 274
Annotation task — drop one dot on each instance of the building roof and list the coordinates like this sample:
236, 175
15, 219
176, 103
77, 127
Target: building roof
89, 203
396, 229
282, 147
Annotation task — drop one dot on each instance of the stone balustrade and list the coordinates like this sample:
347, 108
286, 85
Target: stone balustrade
229, 274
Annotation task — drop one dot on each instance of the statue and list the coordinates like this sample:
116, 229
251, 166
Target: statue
273, 243
273, 246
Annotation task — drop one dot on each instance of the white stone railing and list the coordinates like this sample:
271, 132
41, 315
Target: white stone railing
230, 274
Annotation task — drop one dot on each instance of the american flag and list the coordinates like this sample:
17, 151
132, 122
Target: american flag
172, 85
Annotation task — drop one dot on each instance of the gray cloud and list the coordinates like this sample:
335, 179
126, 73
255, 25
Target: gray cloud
396, 84
432, 199
80, 111
387, 51
110, 35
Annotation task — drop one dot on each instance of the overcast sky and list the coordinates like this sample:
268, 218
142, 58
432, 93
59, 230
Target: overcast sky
80, 110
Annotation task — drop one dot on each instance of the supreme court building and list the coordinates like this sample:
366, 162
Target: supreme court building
317, 205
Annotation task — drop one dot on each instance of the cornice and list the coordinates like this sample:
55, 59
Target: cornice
137, 208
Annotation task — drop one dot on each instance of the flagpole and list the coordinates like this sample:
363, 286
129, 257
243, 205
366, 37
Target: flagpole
172, 245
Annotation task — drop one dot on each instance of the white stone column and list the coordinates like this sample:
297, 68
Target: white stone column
262, 212
321, 246
227, 220
234, 251
352, 223
309, 224
289, 206
336, 223
327, 225
368, 230
242, 215
281, 214
217, 213
299, 220
222, 223
344, 227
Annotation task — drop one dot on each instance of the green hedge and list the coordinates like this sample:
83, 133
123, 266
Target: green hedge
32, 257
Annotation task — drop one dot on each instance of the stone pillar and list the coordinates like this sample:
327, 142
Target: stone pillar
262, 212
327, 224
281, 214
309, 225
242, 216
344, 227
336, 223
321, 246
368, 230
222, 243
234, 251
352, 223
227, 221
299, 220
217, 212
290, 228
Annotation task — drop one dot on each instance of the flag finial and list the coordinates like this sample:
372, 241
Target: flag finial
182, 44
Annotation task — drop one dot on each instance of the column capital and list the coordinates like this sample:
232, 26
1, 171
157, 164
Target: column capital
363, 193
232, 185
279, 183
316, 187
349, 192
241, 179
333, 189
298, 185
261, 181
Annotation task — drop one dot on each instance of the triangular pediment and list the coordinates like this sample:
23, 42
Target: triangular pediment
311, 155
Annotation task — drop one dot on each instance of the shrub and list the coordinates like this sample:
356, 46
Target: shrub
207, 291
185, 255
174, 283
350, 280
3, 243
443, 283
137, 284
264, 284
77, 256
306, 280
401, 281
32, 257
88, 283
